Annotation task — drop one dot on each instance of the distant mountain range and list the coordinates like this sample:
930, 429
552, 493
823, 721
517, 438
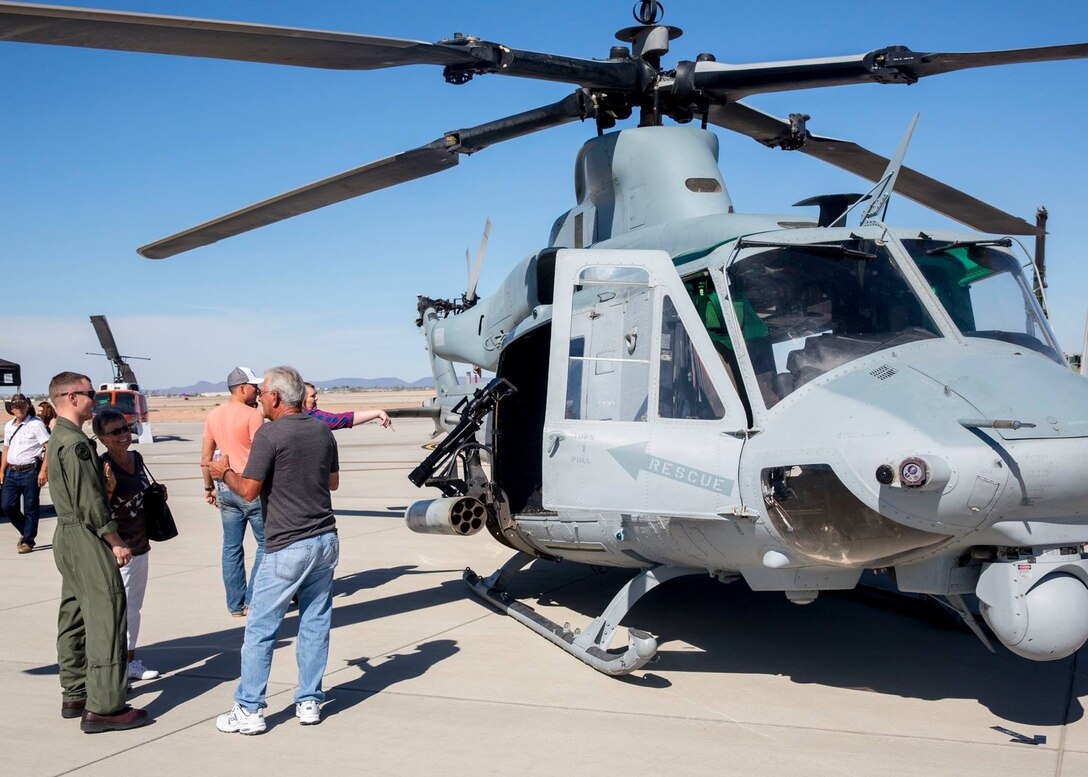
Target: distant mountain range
204, 387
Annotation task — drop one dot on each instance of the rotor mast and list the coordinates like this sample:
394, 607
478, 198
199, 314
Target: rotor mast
649, 42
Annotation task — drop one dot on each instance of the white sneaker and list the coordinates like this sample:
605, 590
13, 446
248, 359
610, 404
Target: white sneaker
137, 671
239, 721
308, 713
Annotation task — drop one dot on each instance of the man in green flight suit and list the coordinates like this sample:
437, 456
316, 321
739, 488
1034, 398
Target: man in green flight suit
88, 551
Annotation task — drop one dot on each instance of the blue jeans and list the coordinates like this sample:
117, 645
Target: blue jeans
23, 484
236, 513
306, 568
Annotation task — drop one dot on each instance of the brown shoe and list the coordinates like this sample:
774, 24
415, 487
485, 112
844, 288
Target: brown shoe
128, 717
72, 709
22, 547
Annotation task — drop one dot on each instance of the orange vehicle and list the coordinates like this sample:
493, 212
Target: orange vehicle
126, 398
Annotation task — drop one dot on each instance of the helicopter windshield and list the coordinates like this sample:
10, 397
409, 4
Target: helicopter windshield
122, 401
984, 293
807, 309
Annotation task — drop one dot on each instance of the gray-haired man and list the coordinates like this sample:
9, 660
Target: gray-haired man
293, 465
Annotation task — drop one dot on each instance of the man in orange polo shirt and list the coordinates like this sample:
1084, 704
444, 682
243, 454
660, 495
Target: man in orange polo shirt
229, 430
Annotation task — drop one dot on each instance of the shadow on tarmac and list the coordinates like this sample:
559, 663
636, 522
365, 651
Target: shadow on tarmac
372, 578
397, 668
374, 679
841, 640
213, 658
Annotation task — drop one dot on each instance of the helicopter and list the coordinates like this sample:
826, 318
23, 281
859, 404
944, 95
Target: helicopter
682, 389
123, 393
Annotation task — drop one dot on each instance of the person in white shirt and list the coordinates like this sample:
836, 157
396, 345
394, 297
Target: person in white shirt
23, 470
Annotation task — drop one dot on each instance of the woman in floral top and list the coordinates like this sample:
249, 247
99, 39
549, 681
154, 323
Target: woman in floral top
126, 481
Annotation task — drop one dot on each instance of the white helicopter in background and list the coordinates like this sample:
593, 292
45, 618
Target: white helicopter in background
123, 394
682, 389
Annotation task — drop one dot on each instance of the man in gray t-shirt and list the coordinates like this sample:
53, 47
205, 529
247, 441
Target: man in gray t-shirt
292, 458
294, 467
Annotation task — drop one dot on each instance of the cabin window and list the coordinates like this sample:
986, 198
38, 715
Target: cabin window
608, 370
574, 377
684, 389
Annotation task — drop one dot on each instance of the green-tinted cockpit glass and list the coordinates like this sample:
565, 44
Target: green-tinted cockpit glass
984, 293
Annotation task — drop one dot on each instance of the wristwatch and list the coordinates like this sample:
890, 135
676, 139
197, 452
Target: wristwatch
209, 489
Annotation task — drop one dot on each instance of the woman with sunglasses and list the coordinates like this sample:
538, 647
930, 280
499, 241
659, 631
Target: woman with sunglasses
126, 481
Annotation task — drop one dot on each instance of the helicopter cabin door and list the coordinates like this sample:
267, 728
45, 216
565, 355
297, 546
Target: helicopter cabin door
642, 419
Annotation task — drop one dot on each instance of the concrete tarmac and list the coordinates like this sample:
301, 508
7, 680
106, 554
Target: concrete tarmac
424, 678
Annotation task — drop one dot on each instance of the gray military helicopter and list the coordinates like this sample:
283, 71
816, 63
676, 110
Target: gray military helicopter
682, 389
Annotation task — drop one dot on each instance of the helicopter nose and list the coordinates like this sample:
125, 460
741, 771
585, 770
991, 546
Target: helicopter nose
1019, 396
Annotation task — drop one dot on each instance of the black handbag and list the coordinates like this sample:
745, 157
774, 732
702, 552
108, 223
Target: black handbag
157, 516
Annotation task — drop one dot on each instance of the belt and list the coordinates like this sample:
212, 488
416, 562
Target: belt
22, 467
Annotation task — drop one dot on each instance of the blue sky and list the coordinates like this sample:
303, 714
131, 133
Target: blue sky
105, 151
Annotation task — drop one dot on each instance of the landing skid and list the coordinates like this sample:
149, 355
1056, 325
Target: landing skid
589, 645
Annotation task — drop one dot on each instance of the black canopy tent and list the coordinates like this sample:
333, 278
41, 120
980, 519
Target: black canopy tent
10, 374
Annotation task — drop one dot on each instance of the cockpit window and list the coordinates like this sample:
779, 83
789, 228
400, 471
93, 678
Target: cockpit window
984, 293
819, 307
124, 402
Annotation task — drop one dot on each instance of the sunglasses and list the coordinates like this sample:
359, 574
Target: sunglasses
89, 393
115, 432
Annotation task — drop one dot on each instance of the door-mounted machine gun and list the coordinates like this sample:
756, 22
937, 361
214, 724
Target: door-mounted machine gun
468, 491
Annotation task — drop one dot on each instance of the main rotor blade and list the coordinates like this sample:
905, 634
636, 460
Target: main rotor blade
894, 64
935, 64
155, 34
105, 337
406, 166
772, 131
434, 157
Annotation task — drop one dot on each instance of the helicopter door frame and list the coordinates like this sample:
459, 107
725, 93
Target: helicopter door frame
606, 448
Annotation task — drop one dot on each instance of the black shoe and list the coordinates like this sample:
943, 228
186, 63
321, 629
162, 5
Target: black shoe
128, 717
72, 709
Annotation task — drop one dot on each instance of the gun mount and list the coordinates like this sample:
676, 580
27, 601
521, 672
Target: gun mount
459, 444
